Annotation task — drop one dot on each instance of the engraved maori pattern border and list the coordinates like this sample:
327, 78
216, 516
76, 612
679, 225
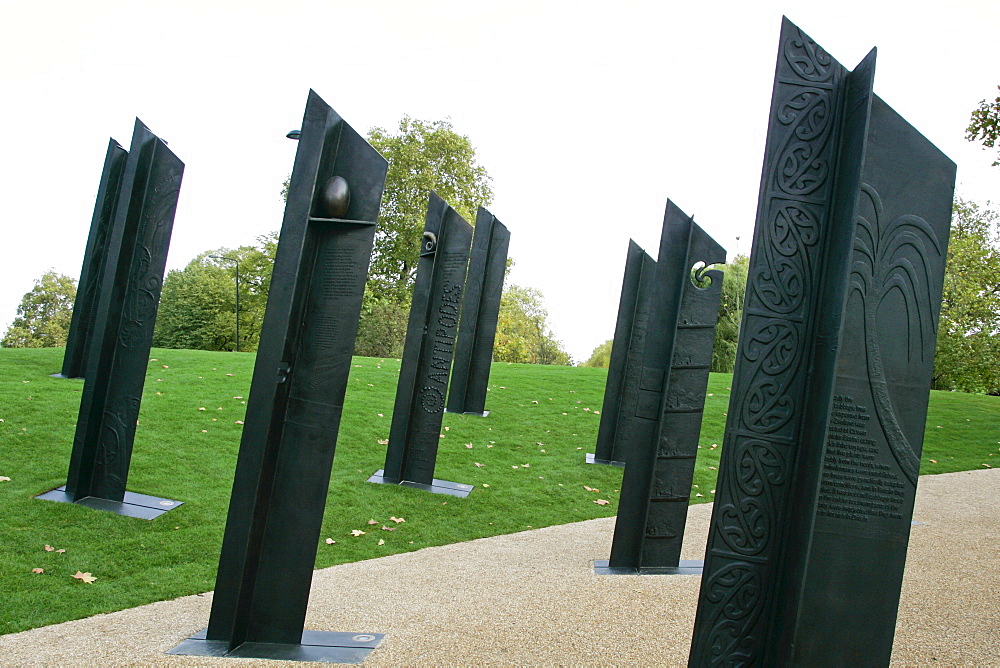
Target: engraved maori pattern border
767, 389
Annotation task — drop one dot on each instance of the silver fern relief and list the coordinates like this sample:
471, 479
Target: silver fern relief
892, 258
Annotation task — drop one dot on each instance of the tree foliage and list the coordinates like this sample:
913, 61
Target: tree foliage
727, 329
601, 357
985, 124
198, 303
44, 315
968, 344
423, 156
523, 333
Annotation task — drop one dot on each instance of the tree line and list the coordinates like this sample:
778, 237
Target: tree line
198, 304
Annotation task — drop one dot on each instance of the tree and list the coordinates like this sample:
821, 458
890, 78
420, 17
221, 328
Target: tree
523, 334
727, 329
198, 303
968, 343
985, 124
601, 357
44, 316
423, 156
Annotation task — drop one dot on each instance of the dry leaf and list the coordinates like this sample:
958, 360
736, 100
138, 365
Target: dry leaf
385, 528
4, 478
379, 414
357, 532
383, 441
330, 541
933, 461
60, 551
601, 502
514, 467
37, 570
381, 541
485, 485
372, 522
480, 465
397, 520
591, 489
468, 445
527, 466
86, 577
48, 548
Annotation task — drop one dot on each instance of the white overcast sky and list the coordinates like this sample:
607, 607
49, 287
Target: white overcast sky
588, 115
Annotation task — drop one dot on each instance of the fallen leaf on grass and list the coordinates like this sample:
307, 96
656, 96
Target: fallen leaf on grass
480, 465
86, 577
37, 570
370, 522
239, 422
60, 551
397, 520
601, 502
385, 528
933, 461
381, 541
4, 478
330, 541
591, 489
357, 532
383, 441
468, 445
48, 548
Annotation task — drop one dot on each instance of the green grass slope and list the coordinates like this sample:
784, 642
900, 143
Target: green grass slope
526, 460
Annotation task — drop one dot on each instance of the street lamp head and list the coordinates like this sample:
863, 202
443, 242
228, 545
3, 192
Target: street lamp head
294, 134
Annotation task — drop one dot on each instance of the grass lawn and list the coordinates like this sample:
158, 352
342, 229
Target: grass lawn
526, 460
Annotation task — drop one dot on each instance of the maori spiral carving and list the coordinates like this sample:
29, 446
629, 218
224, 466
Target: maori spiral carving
808, 59
736, 594
772, 347
759, 451
747, 516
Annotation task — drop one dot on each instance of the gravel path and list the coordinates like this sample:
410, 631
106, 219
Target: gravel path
532, 598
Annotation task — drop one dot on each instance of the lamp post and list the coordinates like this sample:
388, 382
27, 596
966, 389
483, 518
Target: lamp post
237, 263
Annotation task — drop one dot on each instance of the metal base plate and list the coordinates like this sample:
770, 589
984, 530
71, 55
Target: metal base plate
316, 646
436, 487
592, 459
684, 567
476, 413
141, 506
